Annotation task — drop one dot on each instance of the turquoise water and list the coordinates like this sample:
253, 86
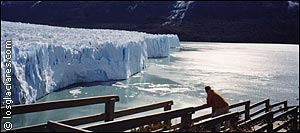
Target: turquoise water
237, 71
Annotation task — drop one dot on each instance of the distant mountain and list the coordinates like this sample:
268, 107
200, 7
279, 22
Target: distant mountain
217, 21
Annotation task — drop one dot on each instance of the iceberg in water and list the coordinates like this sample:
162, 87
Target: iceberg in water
47, 58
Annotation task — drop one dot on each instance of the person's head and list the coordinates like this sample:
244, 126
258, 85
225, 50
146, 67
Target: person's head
207, 88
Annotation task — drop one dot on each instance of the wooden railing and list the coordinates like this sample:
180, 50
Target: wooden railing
265, 109
122, 125
282, 104
252, 122
293, 112
45, 106
109, 102
166, 105
232, 106
210, 123
58, 127
206, 116
246, 111
267, 119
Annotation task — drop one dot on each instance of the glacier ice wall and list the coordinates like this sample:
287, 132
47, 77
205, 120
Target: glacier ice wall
47, 58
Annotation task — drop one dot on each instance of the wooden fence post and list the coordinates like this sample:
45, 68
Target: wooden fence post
285, 106
247, 110
109, 110
186, 121
294, 120
270, 122
166, 108
268, 108
233, 121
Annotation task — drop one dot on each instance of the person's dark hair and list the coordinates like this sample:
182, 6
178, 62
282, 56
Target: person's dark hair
207, 88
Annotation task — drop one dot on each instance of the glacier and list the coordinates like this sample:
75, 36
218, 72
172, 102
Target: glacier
47, 58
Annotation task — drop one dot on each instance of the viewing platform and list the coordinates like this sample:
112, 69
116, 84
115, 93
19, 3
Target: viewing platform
261, 116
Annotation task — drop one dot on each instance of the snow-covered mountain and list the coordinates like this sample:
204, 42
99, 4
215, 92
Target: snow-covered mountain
178, 13
47, 58
293, 5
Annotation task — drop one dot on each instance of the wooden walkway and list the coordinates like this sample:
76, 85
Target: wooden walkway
260, 116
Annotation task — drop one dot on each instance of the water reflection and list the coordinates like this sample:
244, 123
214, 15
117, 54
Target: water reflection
237, 71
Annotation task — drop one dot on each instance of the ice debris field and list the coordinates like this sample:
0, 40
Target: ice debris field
47, 58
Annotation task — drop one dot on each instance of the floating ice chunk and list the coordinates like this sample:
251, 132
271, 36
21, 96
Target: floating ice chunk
75, 92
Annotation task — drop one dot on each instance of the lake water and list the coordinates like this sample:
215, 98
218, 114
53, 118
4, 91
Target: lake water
237, 71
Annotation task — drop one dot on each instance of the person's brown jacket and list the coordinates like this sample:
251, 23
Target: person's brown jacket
215, 100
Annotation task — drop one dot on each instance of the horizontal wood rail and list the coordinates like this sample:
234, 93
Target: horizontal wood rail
202, 117
279, 110
278, 104
258, 112
285, 107
243, 103
56, 127
44, 106
166, 105
211, 122
122, 125
256, 119
259, 103
201, 107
